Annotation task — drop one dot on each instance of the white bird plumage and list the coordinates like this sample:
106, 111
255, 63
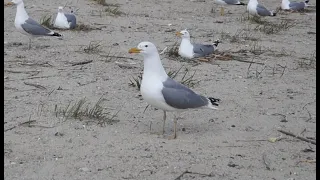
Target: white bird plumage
162, 92
28, 26
64, 20
192, 50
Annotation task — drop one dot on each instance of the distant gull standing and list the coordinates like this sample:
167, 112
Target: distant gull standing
28, 26
65, 20
162, 92
189, 50
295, 6
257, 9
227, 2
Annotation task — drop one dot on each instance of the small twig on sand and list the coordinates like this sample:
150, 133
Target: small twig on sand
188, 172
298, 137
82, 63
264, 159
35, 85
163, 50
28, 123
26, 72
251, 62
118, 57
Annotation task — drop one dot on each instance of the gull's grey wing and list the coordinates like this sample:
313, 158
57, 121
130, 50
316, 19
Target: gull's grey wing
33, 27
297, 5
201, 50
231, 1
71, 18
262, 11
181, 97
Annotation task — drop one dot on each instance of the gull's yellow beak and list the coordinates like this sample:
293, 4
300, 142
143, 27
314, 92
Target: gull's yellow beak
178, 34
134, 50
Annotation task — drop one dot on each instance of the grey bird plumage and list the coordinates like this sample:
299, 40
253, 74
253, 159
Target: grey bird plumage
71, 18
181, 97
297, 5
262, 11
34, 28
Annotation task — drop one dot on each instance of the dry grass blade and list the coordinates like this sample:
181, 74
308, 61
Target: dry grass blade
79, 111
308, 62
47, 21
136, 81
113, 11
273, 28
92, 47
84, 27
173, 50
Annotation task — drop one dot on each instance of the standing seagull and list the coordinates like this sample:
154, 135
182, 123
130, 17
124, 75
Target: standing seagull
162, 92
257, 9
295, 6
65, 20
189, 50
28, 26
227, 2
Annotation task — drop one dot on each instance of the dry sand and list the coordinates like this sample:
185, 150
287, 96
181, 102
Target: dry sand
230, 143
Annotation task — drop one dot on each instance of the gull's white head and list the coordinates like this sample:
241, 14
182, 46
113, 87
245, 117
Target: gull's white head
144, 48
17, 1
183, 34
60, 9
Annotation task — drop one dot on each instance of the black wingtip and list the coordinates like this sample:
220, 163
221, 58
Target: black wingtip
216, 42
56, 34
214, 101
243, 4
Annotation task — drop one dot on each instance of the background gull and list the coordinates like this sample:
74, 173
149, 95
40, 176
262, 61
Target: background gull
65, 20
190, 50
162, 92
227, 2
28, 26
257, 9
296, 6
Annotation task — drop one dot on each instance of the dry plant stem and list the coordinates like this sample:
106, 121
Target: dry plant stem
35, 85
264, 156
188, 172
82, 63
298, 137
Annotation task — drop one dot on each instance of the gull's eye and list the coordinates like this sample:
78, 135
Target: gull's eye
145, 45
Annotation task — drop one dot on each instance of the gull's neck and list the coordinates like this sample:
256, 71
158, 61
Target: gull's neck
285, 4
21, 12
253, 2
186, 41
153, 67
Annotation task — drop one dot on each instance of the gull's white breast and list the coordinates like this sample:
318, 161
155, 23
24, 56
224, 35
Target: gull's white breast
61, 21
252, 8
186, 50
151, 87
19, 19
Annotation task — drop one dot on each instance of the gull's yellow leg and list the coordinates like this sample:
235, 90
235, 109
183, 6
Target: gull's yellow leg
222, 11
174, 136
164, 121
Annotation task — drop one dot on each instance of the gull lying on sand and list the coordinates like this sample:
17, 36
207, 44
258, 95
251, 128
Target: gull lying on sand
162, 92
28, 26
65, 20
227, 2
296, 6
257, 9
190, 50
